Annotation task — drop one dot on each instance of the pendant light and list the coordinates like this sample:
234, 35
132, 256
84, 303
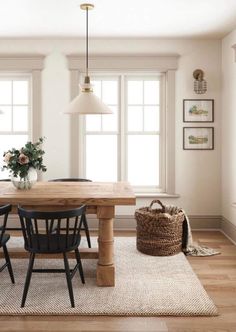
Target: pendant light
86, 102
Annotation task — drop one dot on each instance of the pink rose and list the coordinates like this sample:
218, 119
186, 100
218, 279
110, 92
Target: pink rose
7, 157
23, 159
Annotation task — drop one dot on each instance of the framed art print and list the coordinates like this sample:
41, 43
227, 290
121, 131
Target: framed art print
198, 138
198, 110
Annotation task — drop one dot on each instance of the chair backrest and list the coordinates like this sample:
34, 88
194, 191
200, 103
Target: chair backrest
70, 180
4, 211
55, 231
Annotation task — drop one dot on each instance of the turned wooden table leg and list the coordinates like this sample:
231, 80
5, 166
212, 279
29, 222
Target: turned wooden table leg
105, 267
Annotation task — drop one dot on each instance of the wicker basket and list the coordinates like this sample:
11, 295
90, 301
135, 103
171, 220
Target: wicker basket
159, 231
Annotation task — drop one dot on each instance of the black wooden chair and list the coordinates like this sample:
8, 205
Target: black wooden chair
39, 239
4, 211
85, 222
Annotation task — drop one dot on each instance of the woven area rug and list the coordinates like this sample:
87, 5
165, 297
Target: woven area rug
145, 286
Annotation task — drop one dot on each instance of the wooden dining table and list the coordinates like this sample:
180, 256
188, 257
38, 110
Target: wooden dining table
100, 199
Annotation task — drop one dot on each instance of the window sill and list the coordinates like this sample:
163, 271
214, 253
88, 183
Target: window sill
156, 195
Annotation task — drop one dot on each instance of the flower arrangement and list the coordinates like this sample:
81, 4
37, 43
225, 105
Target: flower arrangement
18, 162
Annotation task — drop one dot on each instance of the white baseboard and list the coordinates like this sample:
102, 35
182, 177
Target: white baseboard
128, 223
228, 229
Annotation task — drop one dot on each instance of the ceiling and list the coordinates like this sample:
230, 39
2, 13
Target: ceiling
118, 18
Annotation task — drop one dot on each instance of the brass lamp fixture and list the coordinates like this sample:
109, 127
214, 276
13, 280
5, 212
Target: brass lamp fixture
86, 102
200, 85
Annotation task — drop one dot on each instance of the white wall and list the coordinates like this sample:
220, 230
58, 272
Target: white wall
229, 127
197, 172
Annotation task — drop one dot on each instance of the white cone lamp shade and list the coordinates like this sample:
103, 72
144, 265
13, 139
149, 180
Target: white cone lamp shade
87, 103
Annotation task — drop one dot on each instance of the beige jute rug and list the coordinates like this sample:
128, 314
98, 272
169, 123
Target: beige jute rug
145, 286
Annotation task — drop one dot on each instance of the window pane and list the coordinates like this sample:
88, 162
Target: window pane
151, 92
5, 92
110, 92
135, 92
109, 121
93, 122
5, 118
135, 118
151, 118
143, 160
101, 157
97, 87
20, 92
8, 142
20, 118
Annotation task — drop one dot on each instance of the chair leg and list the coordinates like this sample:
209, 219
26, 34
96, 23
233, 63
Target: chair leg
28, 278
7, 258
68, 278
86, 229
77, 255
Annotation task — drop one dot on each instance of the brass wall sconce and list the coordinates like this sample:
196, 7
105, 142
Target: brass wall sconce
200, 85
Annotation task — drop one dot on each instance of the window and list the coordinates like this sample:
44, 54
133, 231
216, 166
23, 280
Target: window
125, 146
142, 114
111, 147
15, 113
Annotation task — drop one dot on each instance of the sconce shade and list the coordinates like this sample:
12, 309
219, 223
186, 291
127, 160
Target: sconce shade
200, 85
87, 103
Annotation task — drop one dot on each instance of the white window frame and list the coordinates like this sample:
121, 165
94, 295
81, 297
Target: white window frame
20, 77
32, 65
28, 64
162, 164
142, 64
82, 131
122, 131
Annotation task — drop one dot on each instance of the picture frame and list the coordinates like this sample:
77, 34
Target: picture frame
198, 110
198, 138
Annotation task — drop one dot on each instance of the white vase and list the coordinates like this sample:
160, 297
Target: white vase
27, 182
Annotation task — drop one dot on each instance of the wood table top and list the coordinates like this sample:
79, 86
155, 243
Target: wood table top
69, 193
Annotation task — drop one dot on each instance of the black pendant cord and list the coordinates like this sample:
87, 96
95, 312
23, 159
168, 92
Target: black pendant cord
87, 41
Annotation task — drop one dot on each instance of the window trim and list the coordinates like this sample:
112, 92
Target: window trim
167, 64
161, 187
33, 64
17, 77
122, 130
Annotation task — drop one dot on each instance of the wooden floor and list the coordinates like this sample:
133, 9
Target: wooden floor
217, 274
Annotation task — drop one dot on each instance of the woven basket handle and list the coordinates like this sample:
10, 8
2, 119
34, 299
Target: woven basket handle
159, 202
